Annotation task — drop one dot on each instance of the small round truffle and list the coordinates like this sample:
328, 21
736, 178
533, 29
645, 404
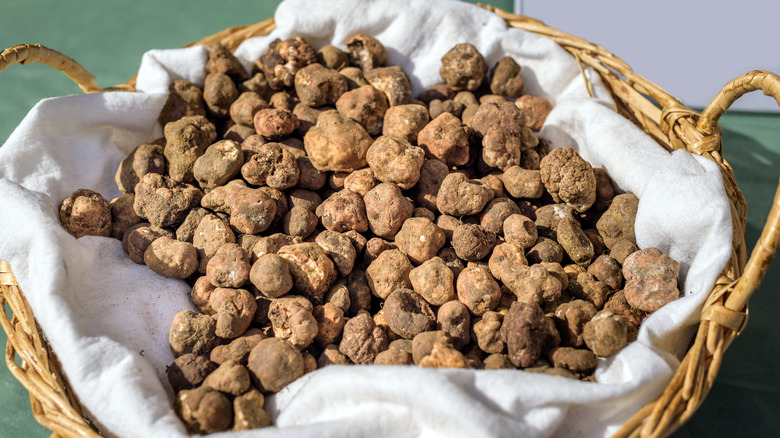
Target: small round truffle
463, 67
86, 213
408, 314
275, 363
270, 274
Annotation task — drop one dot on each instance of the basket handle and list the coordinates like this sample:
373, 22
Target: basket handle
24, 53
766, 246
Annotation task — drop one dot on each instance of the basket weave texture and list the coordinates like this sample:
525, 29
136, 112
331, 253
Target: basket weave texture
645, 104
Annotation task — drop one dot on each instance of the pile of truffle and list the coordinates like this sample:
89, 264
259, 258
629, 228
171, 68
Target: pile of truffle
324, 216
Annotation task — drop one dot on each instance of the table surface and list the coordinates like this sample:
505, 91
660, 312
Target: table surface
746, 396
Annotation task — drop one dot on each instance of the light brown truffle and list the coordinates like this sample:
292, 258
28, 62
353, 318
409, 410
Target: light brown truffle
293, 320
86, 213
317, 85
388, 272
478, 290
395, 160
460, 196
270, 274
569, 178
463, 67
171, 258
234, 310
651, 279
505, 78
365, 105
342, 211
337, 143
229, 267
362, 339
275, 363
408, 314
162, 201
387, 209
504, 134
365, 52
420, 239
312, 270
405, 121
434, 281
445, 138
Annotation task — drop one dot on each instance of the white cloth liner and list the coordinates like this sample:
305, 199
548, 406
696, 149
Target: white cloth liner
107, 318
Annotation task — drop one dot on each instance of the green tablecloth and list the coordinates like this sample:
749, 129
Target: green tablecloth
108, 39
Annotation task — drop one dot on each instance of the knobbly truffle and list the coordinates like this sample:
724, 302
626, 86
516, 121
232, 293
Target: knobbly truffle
219, 92
284, 59
363, 339
432, 174
405, 121
275, 363
270, 274
171, 258
434, 281
184, 99
86, 213
463, 67
342, 211
408, 314
453, 318
330, 323
312, 270
275, 124
606, 333
340, 249
568, 178
488, 333
366, 52
191, 333
472, 242
651, 279
163, 201
504, 134
460, 196
293, 320
523, 183
188, 371
445, 138
220, 163
535, 108
234, 310
387, 209
505, 78
365, 105
272, 165
478, 290
317, 85
617, 223
390, 271
337, 143
146, 158
186, 139
251, 210
395, 160
392, 81
420, 239
229, 267
526, 332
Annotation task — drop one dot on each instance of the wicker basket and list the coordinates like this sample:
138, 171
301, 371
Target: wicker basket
649, 107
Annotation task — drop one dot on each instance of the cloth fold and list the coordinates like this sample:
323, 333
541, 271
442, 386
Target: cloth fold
107, 318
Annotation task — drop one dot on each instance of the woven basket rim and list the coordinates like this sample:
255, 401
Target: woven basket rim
659, 114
